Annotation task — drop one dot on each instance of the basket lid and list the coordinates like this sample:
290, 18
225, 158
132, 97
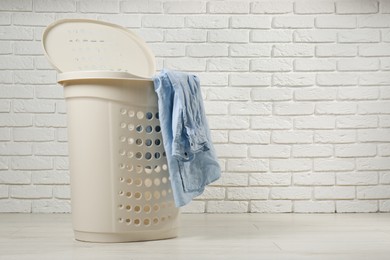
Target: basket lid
84, 45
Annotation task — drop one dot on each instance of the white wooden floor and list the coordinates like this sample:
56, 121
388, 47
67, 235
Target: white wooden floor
206, 236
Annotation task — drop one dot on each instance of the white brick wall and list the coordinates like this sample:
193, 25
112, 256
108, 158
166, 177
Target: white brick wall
297, 95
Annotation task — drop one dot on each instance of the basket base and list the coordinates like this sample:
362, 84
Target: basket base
125, 237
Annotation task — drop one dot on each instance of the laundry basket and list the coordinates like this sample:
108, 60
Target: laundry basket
120, 186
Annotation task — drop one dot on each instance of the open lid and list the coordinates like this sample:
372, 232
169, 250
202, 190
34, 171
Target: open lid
85, 45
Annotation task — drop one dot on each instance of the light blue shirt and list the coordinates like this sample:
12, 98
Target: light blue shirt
191, 156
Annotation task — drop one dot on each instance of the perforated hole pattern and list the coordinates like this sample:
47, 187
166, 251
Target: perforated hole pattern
144, 199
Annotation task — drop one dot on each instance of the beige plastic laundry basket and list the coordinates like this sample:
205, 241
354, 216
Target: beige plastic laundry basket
120, 186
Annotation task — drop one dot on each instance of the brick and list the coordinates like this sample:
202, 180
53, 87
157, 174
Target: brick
227, 207
33, 106
270, 206
189, 7
3, 163
213, 79
356, 121
247, 165
296, 108
335, 21
384, 92
232, 179
255, 22
271, 36
51, 206
374, 135
312, 150
384, 205
292, 22
50, 177
62, 6
384, 121
334, 136
227, 35
384, 150
384, 177
61, 163
265, 122
241, 108
377, 21
61, 192
15, 120
334, 192
377, 50
229, 65
332, 108
290, 165
378, 107
231, 122
385, 63
356, 7
314, 122
236, 94
126, 20
16, 63
28, 48
314, 206
372, 164
228, 7
5, 19
293, 50
219, 136
5, 106
385, 35
34, 77
207, 50
354, 206
314, 179
373, 192
250, 50
250, 79
385, 7
6, 47
292, 137
357, 93
164, 21
333, 164
337, 79
271, 65
249, 137
32, 19
355, 150
185, 35
307, 7
3, 192
50, 120
51, 149
314, 65
33, 134
31, 192
294, 193
32, 163
271, 94
360, 35
293, 79
5, 134
231, 150
16, 5
358, 64
269, 151
15, 206
246, 193
374, 79
93, 6
315, 94
216, 107
141, 6
357, 178
186, 64
168, 49
314, 36
207, 21
16, 33
336, 50
10, 148
272, 7
270, 179
194, 207
150, 34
